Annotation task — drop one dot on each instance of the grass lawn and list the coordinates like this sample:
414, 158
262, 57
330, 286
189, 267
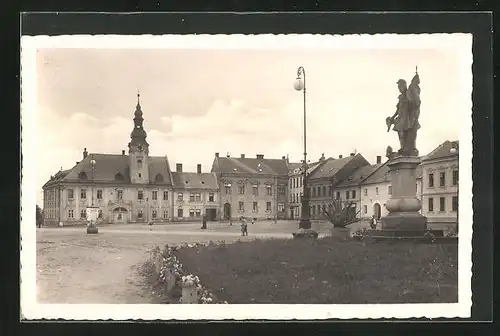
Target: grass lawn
330, 270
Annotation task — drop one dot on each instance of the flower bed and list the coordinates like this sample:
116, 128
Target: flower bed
172, 281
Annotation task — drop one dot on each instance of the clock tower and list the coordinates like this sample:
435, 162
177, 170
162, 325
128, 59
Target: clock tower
138, 149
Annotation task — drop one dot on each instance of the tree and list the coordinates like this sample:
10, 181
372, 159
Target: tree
338, 215
39, 216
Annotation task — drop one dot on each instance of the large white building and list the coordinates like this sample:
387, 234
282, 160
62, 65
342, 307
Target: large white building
440, 185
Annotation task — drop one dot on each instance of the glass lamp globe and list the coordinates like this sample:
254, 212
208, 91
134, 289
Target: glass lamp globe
92, 162
298, 84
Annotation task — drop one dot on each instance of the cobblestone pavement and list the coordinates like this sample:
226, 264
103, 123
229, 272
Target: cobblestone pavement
73, 267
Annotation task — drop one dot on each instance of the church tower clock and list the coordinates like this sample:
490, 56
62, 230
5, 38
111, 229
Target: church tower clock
138, 149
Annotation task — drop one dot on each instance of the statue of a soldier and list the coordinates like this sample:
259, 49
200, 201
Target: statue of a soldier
405, 120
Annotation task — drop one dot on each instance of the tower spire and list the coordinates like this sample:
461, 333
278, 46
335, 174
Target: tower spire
138, 98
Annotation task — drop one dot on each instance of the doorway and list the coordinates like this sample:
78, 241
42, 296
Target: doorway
377, 211
211, 214
120, 215
227, 211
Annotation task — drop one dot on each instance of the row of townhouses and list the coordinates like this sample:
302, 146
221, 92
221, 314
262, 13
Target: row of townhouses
137, 187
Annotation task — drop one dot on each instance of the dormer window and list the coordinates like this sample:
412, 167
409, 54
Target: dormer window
82, 175
159, 178
119, 176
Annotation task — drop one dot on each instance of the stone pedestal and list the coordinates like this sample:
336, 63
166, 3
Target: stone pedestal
403, 206
189, 294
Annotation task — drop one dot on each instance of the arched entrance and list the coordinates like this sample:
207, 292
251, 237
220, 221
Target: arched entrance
120, 215
377, 210
227, 211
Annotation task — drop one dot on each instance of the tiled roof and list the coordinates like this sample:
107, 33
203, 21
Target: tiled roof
382, 175
250, 166
330, 167
359, 175
195, 181
57, 177
109, 165
443, 151
292, 166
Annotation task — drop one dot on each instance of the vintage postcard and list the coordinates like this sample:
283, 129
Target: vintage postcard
241, 177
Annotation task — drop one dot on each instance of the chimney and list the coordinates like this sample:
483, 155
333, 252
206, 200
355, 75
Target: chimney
242, 156
340, 156
216, 155
178, 167
260, 156
198, 168
85, 153
352, 154
123, 151
379, 159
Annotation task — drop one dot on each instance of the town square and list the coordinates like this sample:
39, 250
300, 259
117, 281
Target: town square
316, 177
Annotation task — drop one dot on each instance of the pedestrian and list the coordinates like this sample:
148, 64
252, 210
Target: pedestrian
253, 220
204, 223
244, 227
150, 224
373, 222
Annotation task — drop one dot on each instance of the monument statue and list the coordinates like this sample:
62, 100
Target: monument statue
405, 120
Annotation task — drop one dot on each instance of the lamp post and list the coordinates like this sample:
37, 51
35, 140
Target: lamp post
305, 220
92, 228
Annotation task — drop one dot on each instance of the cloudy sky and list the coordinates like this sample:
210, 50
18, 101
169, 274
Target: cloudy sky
200, 101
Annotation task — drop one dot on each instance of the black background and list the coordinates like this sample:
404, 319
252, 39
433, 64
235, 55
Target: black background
480, 24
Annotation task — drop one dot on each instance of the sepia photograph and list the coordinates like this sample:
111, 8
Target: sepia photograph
275, 176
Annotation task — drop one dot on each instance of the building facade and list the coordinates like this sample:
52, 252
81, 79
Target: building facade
440, 185
133, 187
251, 187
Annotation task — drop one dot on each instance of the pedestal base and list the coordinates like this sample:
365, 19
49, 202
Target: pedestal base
417, 236
404, 221
305, 233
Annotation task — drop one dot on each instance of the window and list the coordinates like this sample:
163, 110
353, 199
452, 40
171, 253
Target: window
191, 197
268, 206
71, 193
454, 204
83, 213
313, 191
300, 197
241, 206
347, 194
154, 195
100, 214
329, 190
255, 207
83, 193
376, 191
365, 192
455, 178
191, 212
198, 213
228, 189
197, 197
431, 180
139, 175
365, 208
442, 179
140, 194
389, 190
180, 213
211, 197
313, 210
154, 214
337, 196
241, 189
354, 194
71, 214
159, 178
281, 190
140, 214
255, 190
293, 198
119, 194
99, 194
431, 204
281, 207
139, 164
165, 214
269, 189
442, 204
180, 197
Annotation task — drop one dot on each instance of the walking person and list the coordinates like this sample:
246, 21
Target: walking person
373, 222
204, 223
244, 227
150, 224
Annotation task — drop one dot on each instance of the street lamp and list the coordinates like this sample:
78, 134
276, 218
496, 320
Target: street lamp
230, 204
92, 210
305, 221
